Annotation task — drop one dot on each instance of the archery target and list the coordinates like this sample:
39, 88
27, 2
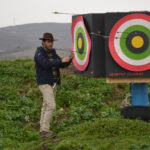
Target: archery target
129, 42
81, 43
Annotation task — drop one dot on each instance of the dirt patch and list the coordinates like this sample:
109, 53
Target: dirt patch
120, 87
37, 126
61, 117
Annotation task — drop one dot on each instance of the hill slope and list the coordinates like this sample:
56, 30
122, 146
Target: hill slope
25, 38
87, 115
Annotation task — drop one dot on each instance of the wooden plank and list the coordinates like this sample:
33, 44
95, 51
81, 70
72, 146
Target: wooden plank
128, 80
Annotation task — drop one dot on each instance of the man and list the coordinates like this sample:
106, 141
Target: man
47, 64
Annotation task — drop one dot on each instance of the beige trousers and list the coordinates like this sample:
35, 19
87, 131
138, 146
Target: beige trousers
48, 107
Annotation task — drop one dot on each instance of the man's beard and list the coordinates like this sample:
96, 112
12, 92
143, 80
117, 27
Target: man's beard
47, 48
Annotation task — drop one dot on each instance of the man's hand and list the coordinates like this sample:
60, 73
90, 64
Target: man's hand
71, 54
66, 59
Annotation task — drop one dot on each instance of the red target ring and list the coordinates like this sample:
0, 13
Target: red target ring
80, 61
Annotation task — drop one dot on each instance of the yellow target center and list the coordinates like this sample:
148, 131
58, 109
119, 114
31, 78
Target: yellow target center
137, 42
80, 43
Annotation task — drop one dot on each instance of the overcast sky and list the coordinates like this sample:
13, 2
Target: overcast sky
15, 12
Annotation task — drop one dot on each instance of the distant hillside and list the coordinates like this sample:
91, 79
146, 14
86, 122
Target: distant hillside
24, 38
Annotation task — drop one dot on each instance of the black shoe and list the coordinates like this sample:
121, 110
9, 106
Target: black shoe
53, 134
45, 135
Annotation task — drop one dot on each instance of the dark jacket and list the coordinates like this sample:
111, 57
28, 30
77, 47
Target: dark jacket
44, 66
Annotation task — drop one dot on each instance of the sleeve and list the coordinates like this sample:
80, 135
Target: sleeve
63, 65
45, 62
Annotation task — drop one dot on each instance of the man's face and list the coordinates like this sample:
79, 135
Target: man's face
48, 44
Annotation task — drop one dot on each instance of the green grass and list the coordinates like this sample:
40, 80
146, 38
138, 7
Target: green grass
87, 115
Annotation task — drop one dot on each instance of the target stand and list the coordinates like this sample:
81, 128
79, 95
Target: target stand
140, 108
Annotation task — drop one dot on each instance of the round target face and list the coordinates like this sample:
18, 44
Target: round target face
81, 44
129, 42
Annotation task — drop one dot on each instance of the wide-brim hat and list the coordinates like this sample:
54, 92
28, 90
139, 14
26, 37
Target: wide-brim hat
48, 36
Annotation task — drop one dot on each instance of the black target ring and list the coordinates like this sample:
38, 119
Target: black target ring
129, 43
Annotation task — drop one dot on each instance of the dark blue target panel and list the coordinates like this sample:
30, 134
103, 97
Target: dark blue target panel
127, 50
88, 48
